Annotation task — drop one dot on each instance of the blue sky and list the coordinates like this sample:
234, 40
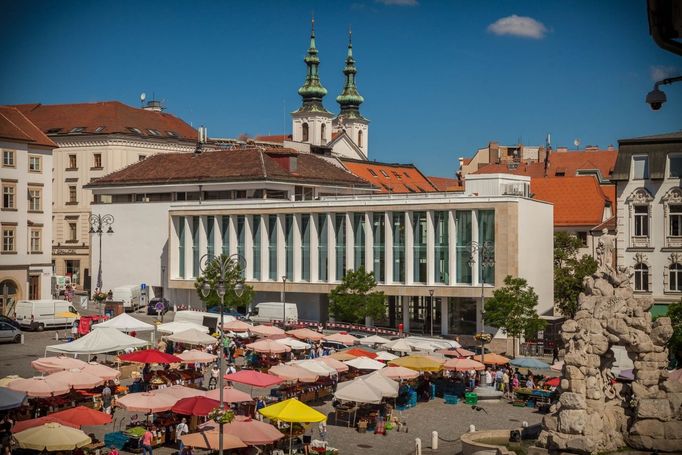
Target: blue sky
440, 78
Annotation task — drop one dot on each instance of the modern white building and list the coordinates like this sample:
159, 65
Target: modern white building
26, 211
648, 174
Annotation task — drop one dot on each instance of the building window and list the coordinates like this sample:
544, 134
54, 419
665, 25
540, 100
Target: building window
256, 242
463, 246
34, 200
195, 247
8, 197
272, 248
73, 163
675, 218
36, 244
9, 239
372, 172
323, 133
360, 138
641, 277
398, 247
181, 247
73, 198
73, 270
641, 220
582, 236
73, 232
419, 239
289, 246
640, 167
359, 240
304, 132
486, 236
675, 277
379, 240
383, 173
672, 210
442, 247
8, 158
639, 203
340, 229
34, 163
141, 157
305, 246
675, 166
97, 160
322, 247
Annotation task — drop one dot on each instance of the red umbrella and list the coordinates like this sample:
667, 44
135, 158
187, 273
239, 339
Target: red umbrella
254, 378
553, 382
83, 416
357, 352
150, 356
26, 424
195, 406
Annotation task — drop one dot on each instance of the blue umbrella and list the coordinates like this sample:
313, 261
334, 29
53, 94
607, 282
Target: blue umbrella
10, 399
529, 362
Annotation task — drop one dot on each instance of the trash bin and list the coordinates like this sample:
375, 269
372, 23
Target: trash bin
470, 398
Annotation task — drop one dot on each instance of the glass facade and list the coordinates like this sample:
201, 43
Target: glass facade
463, 220
225, 234
289, 246
359, 240
379, 239
461, 316
340, 230
419, 236
181, 247
305, 247
398, 247
241, 234
195, 247
322, 247
486, 233
272, 247
441, 256
210, 236
256, 246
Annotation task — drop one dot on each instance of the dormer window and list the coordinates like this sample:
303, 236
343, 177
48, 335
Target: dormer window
371, 171
99, 129
640, 167
154, 132
172, 133
78, 129
132, 129
675, 166
384, 173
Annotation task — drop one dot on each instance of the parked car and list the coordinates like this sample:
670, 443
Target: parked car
9, 333
10, 321
153, 303
233, 313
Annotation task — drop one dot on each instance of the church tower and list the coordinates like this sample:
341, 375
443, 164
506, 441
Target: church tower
349, 119
312, 123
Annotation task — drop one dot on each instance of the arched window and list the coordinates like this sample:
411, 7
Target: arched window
323, 133
360, 138
641, 277
675, 276
305, 132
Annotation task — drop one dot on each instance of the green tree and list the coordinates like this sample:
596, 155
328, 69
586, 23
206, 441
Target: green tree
233, 275
569, 272
675, 342
354, 299
512, 309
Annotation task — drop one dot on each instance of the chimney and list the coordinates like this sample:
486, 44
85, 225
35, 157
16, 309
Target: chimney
201, 139
461, 163
562, 149
611, 148
493, 152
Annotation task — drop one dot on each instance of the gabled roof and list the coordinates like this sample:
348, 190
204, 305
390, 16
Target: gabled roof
16, 127
446, 183
231, 165
390, 178
560, 164
106, 117
578, 201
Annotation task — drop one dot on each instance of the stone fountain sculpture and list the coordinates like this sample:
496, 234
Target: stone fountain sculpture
594, 413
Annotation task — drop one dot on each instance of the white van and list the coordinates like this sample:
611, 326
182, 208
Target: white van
210, 320
129, 295
272, 311
43, 314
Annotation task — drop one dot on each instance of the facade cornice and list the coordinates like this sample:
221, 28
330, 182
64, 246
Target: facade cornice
123, 141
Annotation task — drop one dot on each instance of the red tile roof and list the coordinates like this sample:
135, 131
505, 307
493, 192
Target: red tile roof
280, 138
567, 163
578, 201
231, 165
393, 178
106, 117
16, 127
447, 184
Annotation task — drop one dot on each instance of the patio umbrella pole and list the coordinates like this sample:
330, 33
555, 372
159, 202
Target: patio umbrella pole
291, 435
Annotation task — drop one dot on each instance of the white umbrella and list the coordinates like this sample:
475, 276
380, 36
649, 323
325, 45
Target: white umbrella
399, 345
374, 339
358, 391
365, 363
293, 343
193, 337
175, 327
125, 323
387, 387
316, 366
387, 356
98, 342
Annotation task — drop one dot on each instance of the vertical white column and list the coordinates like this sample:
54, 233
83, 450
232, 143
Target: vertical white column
404, 301
444, 316
350, 242
189, 262
203, 236
174, 248
369, 241
232, 233
217, 236
314, 224
281, 244
264, 251
298, 260
409, 249
452, 248
248, 246
388, 247
331, 248
474, 238
430, 248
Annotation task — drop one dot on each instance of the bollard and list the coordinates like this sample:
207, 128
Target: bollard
434, 440
524, 424
472, 428
418, 444
56, 336
22, 338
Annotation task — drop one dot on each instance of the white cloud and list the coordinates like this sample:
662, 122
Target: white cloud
659, 72
398, 2
524, 27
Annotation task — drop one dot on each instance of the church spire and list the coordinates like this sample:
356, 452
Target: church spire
312, 90
350, 99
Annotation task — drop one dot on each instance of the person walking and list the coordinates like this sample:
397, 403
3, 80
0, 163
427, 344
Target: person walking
106, 398
74, 329
147, 442
555, 355
181, 429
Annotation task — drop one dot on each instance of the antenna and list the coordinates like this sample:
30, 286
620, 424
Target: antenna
576, 142
143, 96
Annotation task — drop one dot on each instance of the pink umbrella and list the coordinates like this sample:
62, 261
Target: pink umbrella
254, 378
268, 347
77, 379
230, 395
40, 386
456, 352
336, 364
462, 364
306, 334
101, 371
399, 373
180, 391
267, 330
252, 432
237, 326
55, 364
196, 356
293, 373
147, 402
343, 338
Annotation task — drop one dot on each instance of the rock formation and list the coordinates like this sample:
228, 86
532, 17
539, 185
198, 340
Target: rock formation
595, 413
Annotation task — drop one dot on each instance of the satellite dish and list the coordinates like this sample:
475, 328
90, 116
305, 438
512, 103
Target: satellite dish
576, 142
143, 96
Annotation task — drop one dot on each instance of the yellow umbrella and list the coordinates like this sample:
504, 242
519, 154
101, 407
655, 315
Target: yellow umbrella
418, 363
66, 314
7, 379
291, 411
52, 437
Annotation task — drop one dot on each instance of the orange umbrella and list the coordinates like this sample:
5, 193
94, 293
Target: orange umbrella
268, 347
40, 386
267, 330
77, 379
306, 334
237, 326
462, 364
230, 395
83, 416
357, 352
342, 356
492, 359
210, 440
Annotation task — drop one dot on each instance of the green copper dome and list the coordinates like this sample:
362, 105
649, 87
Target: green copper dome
312, 90
350, 99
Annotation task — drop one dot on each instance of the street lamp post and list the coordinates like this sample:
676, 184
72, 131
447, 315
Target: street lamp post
431, 309
225, 265
284, 302
100, 224
485, 252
